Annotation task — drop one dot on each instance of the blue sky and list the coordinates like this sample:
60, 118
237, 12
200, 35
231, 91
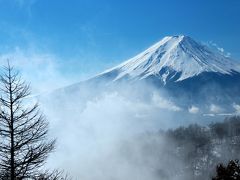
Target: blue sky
87, 36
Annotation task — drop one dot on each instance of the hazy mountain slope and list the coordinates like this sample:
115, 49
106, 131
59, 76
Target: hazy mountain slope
178, 67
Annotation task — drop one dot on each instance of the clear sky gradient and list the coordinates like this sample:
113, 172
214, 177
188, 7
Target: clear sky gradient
87, 36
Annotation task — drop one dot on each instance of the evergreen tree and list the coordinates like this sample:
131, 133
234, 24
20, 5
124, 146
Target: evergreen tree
229, 172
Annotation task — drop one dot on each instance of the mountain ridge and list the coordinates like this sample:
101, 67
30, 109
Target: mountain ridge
171, 56
209, 78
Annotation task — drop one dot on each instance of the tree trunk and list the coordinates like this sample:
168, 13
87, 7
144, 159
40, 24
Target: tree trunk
12, 130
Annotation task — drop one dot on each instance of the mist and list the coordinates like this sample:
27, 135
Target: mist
130, 90
113, 133
99, 140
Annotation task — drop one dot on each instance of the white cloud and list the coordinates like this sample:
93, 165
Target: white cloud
25, 3
163, 103
215, 109
193, 110
210, 115
95, 132
41, 70
215, 47
221, 50
237, 108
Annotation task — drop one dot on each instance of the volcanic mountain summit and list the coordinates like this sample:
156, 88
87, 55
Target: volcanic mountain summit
174, 58
187, 71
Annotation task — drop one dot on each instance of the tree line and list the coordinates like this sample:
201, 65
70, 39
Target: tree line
202, 148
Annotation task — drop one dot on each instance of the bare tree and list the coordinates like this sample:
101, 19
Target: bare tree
53, 175
24, 146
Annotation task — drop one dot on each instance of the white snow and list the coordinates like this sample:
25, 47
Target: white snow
172, 55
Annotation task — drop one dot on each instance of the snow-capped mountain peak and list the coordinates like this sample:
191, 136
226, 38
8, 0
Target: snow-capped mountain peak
174, 56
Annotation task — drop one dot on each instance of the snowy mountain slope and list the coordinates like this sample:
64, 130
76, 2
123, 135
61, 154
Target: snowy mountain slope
178, 67
173, 58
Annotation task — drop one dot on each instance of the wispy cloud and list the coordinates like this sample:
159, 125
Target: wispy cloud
216, 47
164, 103
215, 108
237, 108
26, 5
193, 110
42, 70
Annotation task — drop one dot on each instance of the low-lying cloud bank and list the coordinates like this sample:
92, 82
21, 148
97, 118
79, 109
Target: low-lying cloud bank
97, 141
105, 135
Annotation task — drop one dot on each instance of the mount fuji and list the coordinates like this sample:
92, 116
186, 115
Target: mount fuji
188, 73
173, 59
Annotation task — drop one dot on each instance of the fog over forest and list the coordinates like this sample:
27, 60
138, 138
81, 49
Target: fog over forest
119, 90
131, 131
